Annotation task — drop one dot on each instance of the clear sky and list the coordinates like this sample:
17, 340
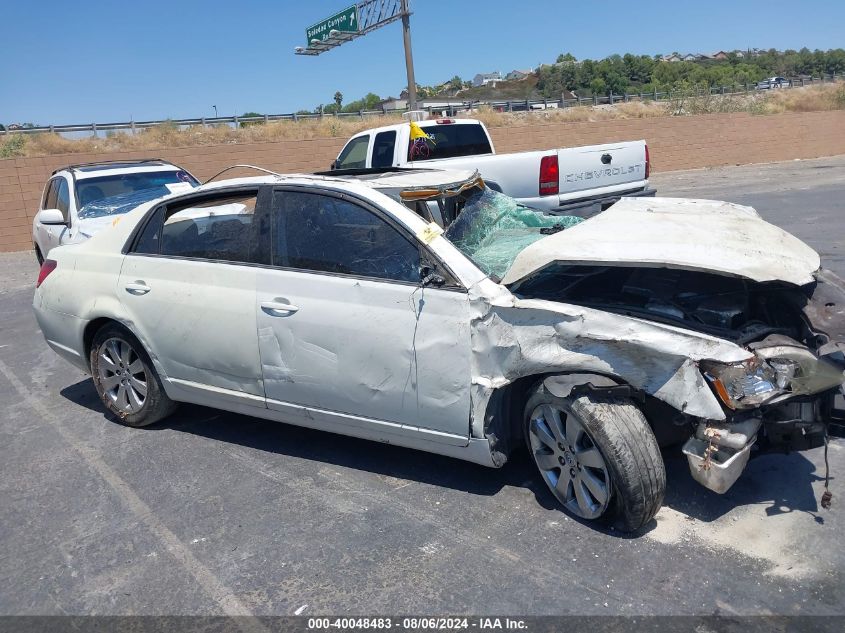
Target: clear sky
100, 61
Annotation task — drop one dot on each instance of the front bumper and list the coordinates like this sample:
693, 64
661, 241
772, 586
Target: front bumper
717, 453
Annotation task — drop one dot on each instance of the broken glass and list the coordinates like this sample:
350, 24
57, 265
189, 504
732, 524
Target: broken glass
492, 228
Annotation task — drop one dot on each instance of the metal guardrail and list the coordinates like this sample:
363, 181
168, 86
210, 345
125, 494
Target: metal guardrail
449, 107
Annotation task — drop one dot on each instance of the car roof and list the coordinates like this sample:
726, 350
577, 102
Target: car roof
393, 179
125, 166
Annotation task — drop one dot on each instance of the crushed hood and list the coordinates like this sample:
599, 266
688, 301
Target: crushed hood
706, 235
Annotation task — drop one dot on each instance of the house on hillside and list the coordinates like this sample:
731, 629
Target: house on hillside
718, 55
391, 104
483, 79
516, 75
674, 57
691, 57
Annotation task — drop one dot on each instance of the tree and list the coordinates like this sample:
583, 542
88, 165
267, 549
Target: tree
338, 99
250, 115
565, 57
597, 86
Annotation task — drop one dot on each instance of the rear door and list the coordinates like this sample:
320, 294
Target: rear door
346, 332
188, 286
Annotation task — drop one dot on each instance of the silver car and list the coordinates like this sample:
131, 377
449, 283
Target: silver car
431, 312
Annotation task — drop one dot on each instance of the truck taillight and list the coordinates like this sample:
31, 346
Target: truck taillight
647, 162
47, 267
549, 176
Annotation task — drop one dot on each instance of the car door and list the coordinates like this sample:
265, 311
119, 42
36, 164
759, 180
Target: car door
346, 330
188, 286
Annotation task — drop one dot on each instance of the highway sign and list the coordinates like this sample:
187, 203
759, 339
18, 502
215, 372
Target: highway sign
345, 21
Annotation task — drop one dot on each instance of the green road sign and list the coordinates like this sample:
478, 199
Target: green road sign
346, 22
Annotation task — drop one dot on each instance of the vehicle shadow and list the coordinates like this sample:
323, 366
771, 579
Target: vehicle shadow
783, 482
329, 448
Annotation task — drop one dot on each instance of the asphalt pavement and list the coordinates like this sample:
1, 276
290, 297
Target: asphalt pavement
217, 513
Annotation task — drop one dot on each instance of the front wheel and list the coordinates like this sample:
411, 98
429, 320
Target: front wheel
125, 378
598, 456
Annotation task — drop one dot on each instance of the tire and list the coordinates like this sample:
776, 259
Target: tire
125, 378
615, 473
39, 256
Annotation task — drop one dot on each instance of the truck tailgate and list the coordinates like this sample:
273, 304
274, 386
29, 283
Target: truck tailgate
601, 166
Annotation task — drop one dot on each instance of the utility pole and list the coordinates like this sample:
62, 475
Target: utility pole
409, 56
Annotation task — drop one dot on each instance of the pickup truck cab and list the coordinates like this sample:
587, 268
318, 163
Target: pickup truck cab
566, 179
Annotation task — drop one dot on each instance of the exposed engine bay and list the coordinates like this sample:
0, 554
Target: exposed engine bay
784, 396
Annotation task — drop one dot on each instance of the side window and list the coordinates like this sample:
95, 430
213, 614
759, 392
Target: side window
220, 228
354, 155
50, 195
327, 234
149, 241
383, 149
63, 198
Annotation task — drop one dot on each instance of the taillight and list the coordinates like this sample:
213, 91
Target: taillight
549, 176
47, 267
647, 162
444, 121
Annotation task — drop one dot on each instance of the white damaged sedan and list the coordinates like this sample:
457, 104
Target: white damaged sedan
445, 317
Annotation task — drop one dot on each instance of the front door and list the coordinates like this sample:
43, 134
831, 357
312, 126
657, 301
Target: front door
345, 326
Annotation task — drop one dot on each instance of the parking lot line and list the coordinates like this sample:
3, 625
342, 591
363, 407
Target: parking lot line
217, 591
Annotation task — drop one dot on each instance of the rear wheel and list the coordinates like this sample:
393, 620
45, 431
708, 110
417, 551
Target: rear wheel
598, 456
38, 255
125, 378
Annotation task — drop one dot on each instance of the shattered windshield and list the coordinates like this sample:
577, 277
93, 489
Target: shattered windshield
113, 195
492, 228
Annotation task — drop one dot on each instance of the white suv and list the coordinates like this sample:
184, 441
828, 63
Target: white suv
79, 200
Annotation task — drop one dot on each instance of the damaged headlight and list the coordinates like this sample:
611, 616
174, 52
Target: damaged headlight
772, 374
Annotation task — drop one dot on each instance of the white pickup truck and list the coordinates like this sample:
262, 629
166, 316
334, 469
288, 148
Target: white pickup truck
570, 179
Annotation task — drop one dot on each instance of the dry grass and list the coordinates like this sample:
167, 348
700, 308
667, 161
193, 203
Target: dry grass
810, 99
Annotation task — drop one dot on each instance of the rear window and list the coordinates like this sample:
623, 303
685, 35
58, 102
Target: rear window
449, 140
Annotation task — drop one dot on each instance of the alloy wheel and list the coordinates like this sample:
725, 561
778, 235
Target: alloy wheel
123, 378
569, 461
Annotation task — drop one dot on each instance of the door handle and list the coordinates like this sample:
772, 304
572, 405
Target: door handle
275, 308
137, 288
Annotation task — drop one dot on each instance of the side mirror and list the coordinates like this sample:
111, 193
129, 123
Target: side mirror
50, 217
430, 277
333, 165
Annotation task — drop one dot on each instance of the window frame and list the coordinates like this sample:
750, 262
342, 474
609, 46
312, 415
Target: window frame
372, 152
368, 137
51, 190
425, 253
262, 202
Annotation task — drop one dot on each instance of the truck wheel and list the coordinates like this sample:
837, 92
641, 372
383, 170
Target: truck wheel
38, 255
598, 456
125, 378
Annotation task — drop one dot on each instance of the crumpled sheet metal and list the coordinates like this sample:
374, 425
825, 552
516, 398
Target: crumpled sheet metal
513, 338
703, 235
